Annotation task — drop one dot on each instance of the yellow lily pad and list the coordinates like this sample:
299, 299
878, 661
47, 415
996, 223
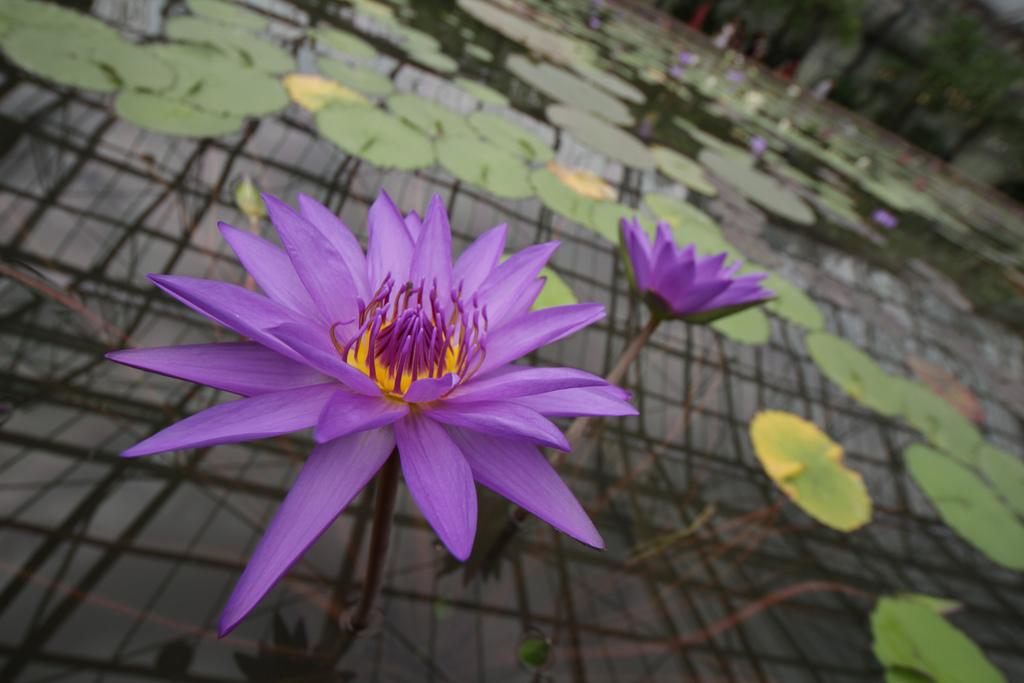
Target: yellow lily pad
808, 466
313, 92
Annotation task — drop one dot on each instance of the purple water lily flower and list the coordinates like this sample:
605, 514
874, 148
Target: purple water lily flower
735, 76
884, 219
393, 351
758, 146
677, 283
594, 22
687, 58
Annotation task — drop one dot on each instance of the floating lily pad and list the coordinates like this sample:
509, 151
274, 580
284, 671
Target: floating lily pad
343, 41
484, 93
758, 187
479, 52
245, 92
808, 466
917, 645
228, 13
313, 92
254, 51
793, 304
556, 291
937, 420
746, 327
945, 384
683, 169
568, 88
855, 372
428, 116
511, 137
602, 137
173, 117
609, 82
1005, 472
436, 60
583, 182
484, 165
359, 78
377, 137
32, 49
968, 505
527, 32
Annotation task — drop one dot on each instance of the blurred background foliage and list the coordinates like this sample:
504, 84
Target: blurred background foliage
946, 74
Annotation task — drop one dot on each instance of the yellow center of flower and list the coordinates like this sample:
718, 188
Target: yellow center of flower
406, 333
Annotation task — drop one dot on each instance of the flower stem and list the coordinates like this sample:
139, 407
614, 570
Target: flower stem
383, 512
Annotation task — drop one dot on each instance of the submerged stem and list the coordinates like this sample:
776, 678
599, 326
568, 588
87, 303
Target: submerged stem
383, 512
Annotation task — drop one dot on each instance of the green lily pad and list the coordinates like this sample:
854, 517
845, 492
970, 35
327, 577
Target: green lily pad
855, 372
33, 50
793, 304
556, 291
484, 165
479, 52
228, 13
746, 327
683, 170
511, 137
255, 52
968, 505
808, 466
343, 41
484, 93
609, 82
602, 137
30, 14
173, 117
917, 645
428, 116
758, 187
600, 216
193, 63
436, 60
1005, 472
246, 93
568, 88
366, 81
939, 422
379, 138
528, 32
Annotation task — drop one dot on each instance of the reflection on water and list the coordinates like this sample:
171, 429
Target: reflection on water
116, 570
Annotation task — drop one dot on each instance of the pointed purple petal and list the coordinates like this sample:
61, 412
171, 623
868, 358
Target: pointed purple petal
414, 225
270, 269
347, 413
317, 263
245, 419
391, 246
430, 388
691, 299
338, 234
247, 313
519, 472
315, 348
639, 251
585, 401
439, 480
501, 418
433, 260
513, 382
479, 259
533, 330
239, 367
502, 288
332, 476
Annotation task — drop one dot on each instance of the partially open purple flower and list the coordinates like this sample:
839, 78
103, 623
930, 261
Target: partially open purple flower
687, 58
758, 146
395, 347
677, 283
884, 219
594, 22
